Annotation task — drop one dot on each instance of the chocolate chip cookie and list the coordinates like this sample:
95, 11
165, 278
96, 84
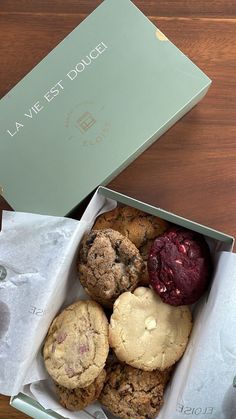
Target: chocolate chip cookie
79, 398
76, 346
109, 264
132, 393
140, 228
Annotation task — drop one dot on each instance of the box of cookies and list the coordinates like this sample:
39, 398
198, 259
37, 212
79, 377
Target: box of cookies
132, 323
111, 88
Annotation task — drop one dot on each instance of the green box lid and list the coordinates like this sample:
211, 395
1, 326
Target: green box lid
102, 96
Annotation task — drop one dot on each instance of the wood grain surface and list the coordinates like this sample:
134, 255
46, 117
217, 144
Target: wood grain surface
191, 170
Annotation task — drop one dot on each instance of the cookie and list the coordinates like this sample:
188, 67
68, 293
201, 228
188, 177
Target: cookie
79, 398
109, 264
179, 266
137, 225
140, 228
76, 346
147, 333
132, 393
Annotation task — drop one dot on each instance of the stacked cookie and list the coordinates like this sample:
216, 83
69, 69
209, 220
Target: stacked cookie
139, 227
75, 353
148, 327
148, 337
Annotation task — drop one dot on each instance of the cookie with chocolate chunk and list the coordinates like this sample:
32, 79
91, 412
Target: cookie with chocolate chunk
132, 393
76, 346
79, 398
109, 264
140, 228
135, 224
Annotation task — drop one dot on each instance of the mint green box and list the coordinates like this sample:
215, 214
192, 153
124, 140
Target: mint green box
220, 241
100, 98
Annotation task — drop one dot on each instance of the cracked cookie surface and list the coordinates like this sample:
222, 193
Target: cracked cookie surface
147, 333
140, 228
76, 346
109, 264
79, 398
132, 393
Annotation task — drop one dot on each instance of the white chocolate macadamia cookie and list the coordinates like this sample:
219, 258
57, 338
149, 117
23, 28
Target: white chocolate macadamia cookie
147, 333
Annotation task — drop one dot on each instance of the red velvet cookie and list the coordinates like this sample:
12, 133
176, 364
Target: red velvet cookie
179, 266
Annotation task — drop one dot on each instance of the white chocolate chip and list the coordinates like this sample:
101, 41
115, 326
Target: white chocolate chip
162, 289
150, 323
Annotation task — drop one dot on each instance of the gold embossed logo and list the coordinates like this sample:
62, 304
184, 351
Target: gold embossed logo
161, 36
86, 123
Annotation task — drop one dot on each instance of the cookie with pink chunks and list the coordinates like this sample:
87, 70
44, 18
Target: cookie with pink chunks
179, 266
76, 346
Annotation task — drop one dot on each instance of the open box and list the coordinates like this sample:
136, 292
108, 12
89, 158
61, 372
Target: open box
221, 248
145, 85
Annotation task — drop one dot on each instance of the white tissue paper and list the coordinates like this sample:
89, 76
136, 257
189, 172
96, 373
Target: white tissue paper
202, 386
38, 278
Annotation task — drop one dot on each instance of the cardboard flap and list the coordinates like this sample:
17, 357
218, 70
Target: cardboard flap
99, 99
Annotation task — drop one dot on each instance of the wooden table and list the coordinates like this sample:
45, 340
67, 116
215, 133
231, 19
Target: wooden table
191, 170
